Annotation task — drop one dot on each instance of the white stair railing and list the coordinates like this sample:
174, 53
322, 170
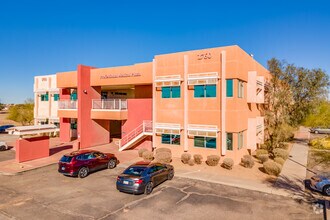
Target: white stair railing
145, 127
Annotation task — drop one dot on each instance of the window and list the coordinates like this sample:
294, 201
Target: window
73, 125
202, 91
240, 140
171, 139
205, 142
44, 97
73, 96
229, 86
171, 92
229, 141
240, 89
56, 97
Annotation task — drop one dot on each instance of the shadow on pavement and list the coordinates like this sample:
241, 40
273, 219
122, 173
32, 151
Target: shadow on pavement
59, 149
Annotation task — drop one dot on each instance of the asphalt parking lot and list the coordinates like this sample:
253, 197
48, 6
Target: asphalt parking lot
46, 194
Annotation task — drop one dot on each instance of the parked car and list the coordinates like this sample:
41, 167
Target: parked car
81, 163
142, 177
4, 127
321, 183
320, 130
3, 146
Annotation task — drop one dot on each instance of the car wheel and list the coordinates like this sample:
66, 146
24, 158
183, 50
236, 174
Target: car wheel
170, 175
148, 189
326, 190
2, 147
112, 164
83, 172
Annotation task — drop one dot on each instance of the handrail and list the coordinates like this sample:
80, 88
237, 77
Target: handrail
146, 126
67, 104
109, 104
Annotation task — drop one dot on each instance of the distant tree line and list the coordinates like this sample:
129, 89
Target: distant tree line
22, 113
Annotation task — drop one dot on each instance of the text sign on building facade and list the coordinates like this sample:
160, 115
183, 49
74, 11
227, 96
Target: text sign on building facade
121, 75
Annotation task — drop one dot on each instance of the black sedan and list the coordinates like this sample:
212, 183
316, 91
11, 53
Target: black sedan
142, 177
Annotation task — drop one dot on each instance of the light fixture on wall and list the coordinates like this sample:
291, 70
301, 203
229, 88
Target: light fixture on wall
85, 91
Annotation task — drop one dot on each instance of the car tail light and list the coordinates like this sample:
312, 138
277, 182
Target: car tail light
118, 178
139, 181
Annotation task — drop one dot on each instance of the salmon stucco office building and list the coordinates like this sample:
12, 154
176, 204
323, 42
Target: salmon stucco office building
207, 101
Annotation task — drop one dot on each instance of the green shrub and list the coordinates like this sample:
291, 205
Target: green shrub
247, 161
320, 143
272, 168
163, 157
263, 158
198, 158
261, 152
213, 160
163, 149
185, 157
284, 145
278, 152
191, 162
148, 156
141, 151
228, 163
279, 160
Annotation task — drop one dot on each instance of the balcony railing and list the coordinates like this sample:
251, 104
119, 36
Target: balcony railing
67, 104
109, 104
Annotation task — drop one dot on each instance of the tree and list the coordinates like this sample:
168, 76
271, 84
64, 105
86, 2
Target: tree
293, 93
320, 117
22, 113
2, 106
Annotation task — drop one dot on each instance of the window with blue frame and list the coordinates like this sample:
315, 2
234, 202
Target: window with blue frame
56, 97
44, 97
229, 141
229, 88
202, 91
171, 92
73, 96
171, 139
206, 142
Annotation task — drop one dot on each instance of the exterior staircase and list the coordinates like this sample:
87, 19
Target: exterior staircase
139, 133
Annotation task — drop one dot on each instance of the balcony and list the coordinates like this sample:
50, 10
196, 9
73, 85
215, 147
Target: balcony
67, 109
111, 109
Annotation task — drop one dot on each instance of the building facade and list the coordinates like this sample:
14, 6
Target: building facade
207, 102
46, 97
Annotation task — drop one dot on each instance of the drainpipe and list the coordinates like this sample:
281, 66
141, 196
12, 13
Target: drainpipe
223, 104
153, 103
185, 103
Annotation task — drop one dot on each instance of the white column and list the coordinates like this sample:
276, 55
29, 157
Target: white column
223, 103
185, 103
153, 103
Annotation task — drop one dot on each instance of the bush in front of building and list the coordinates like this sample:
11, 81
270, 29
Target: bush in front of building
163, 157
284, 145
198, 158
148, 156
213, 160
191, 162
228, 163
247, 161
185, 157
279, 160
263, 158
163, 149
140, 151
261, 152
278, 152
272, 168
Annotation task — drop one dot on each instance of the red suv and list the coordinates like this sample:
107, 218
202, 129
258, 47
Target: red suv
81, 163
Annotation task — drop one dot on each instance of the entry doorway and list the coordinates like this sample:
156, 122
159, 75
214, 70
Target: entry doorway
115, 129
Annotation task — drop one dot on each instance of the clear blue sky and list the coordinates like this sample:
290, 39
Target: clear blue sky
45, 37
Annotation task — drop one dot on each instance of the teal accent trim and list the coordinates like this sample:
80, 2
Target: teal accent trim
166, 92
211, 90
176, 91
229, 88
199, 91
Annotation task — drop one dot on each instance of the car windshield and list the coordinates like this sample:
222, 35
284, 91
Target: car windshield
66, 159
134, 171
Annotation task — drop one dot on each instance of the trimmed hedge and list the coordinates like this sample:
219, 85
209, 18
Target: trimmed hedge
141, 151
191, 162
163, 157
148, 155
247, 161
228, 163
261, 152
263, 158
279, 160
163, 149
185, 157
198, 158
272, 168
213, 160
278, 152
